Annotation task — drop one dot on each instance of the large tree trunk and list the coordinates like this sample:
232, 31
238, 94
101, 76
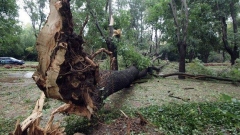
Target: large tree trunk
65, 72
182, 55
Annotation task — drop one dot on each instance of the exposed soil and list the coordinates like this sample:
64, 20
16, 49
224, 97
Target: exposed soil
18, 95
125, 125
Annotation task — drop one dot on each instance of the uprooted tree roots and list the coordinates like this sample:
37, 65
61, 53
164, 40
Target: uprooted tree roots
65, 72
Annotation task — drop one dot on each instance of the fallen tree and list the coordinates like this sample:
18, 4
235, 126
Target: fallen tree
65, 72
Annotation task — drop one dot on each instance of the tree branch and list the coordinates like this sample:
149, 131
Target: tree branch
199, 77
83, 26
96, 22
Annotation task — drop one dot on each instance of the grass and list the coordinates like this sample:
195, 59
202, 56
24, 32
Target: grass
204, 113
219, 117
7, 125
196, 118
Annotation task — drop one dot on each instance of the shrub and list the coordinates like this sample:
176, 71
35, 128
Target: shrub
215, 57
234, 72
197, 68
131, 57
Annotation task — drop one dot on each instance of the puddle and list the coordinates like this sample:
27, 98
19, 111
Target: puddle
28, 75
21, 74
16, 77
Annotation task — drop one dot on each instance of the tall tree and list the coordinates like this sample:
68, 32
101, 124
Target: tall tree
203, 30
181, 31
27, 42
35, 10
156, 18
225, 9
233, 11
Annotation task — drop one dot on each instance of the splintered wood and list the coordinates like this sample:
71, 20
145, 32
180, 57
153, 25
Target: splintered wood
31, 125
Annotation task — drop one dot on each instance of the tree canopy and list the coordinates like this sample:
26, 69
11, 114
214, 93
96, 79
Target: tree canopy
9, 29
149, 28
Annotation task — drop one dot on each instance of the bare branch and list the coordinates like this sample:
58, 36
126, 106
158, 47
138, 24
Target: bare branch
83, 26
199, 77
96, 22
99, 51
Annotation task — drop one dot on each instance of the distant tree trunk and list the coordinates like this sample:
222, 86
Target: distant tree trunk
156, 42
141, 29
150, 41
191, 55
150, 49
224, 57
205, 57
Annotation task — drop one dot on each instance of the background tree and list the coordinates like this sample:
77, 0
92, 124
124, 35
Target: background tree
225, 10
204, 39
35, 10
9, 30
233, 11
27, 41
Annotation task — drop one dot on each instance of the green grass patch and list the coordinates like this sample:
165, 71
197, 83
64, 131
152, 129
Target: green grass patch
7, 125
221, 117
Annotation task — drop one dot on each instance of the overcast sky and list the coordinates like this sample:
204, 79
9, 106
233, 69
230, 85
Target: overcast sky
23, 16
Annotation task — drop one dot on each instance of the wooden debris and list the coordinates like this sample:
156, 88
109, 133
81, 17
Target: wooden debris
31, 125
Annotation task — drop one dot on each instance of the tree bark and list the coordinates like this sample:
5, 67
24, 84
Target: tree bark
156, 44
235, 31
182, 55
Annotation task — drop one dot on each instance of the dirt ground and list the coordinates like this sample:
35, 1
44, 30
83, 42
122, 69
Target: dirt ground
18, 94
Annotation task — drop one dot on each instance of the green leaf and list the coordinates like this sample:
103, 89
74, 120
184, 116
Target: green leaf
225, 97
